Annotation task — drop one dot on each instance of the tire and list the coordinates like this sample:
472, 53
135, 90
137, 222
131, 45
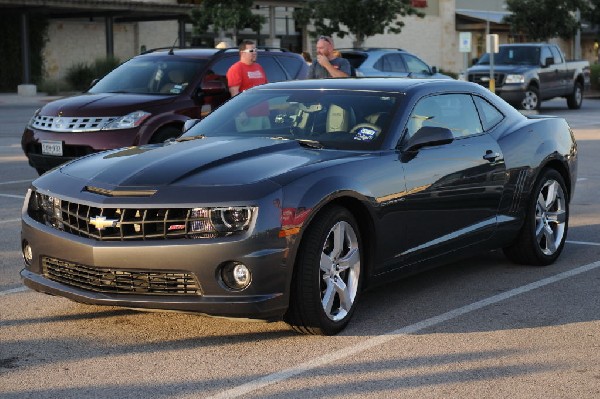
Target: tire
162, 135
543, 235
531, 99
327, 277
575, 99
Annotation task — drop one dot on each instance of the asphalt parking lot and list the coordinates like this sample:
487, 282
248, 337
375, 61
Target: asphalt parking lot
478, 328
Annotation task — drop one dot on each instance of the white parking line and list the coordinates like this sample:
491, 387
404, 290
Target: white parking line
583, 243
16, 181
392, 335
13, 196
13, 291
10, 221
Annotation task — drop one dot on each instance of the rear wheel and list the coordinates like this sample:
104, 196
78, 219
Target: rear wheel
162, 135
542, 237
328, 274
575, 99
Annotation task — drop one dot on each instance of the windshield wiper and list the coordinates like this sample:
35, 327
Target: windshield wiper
189, 138
310, 143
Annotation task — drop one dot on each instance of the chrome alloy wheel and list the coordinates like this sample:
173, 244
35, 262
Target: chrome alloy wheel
340, 271
550, 217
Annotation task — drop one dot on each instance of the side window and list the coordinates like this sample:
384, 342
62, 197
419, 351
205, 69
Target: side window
272, 69
556, 54
222, 66
545, 54
390, 63
291, 65
415, 65
456, 112
490, 116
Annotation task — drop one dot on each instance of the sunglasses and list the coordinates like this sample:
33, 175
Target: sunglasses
326, 38
250, 50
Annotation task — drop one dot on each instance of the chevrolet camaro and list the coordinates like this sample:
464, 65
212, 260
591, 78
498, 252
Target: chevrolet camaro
292, 198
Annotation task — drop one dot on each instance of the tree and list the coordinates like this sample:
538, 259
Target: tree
593, 13
225, 15
362, 18
541, 20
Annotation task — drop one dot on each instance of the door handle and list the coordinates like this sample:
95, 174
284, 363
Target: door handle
491, 156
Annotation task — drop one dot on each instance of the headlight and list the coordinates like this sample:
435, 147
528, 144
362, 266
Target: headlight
515, 79
220, 221
46, 209
35, 114
128, 121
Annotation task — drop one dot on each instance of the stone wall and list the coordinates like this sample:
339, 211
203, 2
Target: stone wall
73, 41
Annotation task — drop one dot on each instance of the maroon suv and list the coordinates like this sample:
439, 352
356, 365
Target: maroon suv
145, 100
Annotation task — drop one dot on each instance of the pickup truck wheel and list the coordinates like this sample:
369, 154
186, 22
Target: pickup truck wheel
531, 100
164, 134
575, 99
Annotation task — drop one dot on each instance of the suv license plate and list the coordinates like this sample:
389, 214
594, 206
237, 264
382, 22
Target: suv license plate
52, 148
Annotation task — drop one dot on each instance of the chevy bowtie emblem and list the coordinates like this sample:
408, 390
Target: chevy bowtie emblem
101, 222
485, 79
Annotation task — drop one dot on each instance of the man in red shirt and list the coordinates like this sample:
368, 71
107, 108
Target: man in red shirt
245, 73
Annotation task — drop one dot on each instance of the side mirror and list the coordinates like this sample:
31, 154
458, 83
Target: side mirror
93, 83
434, 70
548, 62
429, 136
213, 86
190, 123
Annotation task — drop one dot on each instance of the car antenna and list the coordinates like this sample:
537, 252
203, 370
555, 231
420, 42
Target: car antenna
173, 46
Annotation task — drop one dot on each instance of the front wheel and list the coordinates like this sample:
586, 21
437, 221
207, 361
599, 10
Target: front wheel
543, 235
575, 99
327, 276
531, 100
164, 134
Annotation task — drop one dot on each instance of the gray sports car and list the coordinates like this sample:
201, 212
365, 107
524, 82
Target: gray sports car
293, 197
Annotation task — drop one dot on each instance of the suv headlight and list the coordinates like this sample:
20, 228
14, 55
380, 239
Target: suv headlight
514, 79
128, 121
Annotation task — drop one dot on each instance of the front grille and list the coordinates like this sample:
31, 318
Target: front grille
70, 124
484, 79
120, 281
117, 224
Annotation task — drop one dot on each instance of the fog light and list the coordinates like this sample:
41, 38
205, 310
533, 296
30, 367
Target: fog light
236, 276
27, 253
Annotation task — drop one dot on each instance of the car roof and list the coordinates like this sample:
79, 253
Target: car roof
396, 85
371, 50
207, 52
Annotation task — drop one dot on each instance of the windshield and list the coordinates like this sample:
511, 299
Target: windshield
513, 55
340, 119
150, 75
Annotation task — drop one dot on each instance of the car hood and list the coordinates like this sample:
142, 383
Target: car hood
216, 161
104, 104
500, 68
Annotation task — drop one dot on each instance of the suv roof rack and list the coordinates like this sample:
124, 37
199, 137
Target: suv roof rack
370, 48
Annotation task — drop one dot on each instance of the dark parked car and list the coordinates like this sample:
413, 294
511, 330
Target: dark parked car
291, 198
526, 74
385, 62
145, 100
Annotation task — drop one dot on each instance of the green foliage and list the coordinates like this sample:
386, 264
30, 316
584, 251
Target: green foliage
541, 20
362, 18
11, 71
224, 15
595, 76
592, 14
80, 75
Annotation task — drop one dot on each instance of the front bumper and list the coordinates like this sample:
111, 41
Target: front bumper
266, 298
74, 145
